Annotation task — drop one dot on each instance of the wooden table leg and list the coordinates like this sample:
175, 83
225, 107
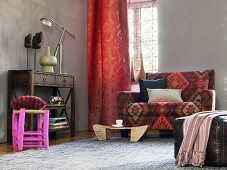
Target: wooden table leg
138, 132
102, 132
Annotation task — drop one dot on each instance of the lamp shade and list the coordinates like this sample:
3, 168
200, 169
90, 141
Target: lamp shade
46, 21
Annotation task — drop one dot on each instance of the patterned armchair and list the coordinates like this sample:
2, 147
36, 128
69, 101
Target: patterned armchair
197, 94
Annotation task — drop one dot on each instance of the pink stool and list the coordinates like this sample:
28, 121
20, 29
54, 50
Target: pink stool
33, 138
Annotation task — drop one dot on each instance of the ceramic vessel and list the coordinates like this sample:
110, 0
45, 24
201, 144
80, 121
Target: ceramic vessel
48, 61
142, 74
132, 73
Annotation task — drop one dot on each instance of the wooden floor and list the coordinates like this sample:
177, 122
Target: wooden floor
6, 148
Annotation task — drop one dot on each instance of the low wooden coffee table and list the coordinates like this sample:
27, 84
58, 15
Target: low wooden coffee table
104, 132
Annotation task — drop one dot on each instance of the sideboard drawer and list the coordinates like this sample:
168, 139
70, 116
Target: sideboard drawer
64, 80
44, 79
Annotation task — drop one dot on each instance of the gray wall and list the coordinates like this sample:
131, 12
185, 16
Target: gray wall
193, 36
20, 17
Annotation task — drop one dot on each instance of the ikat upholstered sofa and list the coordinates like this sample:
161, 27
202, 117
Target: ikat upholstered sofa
197, 93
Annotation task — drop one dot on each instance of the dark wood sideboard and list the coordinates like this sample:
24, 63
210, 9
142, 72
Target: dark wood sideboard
29, 80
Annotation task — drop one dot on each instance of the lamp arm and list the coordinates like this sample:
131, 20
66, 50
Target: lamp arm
70, 34
59, 42
63, 28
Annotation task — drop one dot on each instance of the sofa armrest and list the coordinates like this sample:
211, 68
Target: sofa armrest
123, 99
207, 99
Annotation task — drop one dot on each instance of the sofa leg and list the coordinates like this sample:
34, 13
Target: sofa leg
124, 133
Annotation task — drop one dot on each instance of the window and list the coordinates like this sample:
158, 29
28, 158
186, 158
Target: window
143, 34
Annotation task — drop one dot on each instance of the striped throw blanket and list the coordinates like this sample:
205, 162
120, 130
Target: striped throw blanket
196, 130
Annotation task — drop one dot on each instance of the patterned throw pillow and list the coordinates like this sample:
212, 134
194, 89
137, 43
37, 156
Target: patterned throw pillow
28, 102
164, 95
151, 84
191, 83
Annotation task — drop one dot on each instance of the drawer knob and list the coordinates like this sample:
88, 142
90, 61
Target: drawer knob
44, 78
64, 81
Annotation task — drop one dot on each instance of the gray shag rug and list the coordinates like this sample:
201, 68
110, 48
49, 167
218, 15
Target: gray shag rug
91, 154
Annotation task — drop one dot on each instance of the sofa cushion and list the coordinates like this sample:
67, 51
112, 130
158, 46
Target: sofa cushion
151, 84
190, 77
160, 115
191, 83
155, 76
164, 95
28, 102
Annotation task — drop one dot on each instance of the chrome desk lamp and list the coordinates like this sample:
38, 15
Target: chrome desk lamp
48, 22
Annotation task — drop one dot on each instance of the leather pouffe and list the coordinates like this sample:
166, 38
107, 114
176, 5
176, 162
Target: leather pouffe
216, 154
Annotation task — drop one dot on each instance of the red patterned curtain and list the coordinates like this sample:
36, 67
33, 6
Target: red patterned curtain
108, 58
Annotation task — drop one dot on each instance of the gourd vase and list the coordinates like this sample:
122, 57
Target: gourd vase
48, 61
132, 72
142, 74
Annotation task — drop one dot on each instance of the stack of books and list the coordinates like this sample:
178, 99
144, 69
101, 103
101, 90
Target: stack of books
58, 122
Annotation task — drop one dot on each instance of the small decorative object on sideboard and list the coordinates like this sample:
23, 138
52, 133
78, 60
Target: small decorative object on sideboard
36, 44
28, 44
48, 61
56, 100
